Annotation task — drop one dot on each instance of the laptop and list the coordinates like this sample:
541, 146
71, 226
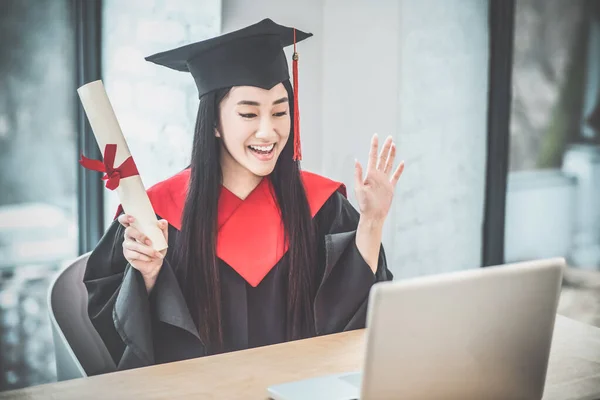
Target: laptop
475, 334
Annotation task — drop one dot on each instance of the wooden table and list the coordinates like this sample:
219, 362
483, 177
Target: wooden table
574, 371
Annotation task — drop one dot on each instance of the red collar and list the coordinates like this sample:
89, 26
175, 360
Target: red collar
251, 233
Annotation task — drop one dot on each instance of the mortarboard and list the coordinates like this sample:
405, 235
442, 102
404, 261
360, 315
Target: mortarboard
251, 56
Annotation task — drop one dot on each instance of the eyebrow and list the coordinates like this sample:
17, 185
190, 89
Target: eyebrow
255, 103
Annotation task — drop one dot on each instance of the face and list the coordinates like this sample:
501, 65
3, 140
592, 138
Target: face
254, 127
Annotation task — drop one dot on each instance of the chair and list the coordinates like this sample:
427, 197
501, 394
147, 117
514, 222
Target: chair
79, 349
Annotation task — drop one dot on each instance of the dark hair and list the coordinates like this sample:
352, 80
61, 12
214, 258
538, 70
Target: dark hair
197, 266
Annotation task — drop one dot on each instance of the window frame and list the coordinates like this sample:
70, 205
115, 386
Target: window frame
90, 195
501, 39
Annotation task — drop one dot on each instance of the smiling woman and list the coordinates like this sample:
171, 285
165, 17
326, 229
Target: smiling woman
260, 252
254, 126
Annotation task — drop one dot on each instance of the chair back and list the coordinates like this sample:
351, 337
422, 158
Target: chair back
80, 351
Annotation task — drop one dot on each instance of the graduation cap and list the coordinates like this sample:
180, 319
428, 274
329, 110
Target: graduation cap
251, 56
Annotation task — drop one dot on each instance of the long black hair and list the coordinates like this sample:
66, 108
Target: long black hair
197, 266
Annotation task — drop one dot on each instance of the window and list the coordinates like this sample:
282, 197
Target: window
551, 206
38, 200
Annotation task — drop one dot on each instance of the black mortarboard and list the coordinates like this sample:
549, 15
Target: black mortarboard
251, 56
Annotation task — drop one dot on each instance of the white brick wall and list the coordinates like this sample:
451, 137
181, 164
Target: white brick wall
155, 106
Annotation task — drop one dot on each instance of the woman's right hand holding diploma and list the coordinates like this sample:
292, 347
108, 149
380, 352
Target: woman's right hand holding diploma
138, 251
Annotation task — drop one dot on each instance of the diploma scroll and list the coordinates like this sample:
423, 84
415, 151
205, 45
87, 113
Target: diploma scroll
118, 165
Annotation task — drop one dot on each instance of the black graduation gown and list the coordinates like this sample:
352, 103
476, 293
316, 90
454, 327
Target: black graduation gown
140, 329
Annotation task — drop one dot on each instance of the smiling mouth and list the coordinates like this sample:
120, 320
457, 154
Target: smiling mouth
262, 149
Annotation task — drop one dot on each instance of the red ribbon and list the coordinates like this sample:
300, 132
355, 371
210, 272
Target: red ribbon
111, 174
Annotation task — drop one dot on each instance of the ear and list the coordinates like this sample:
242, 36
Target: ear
217, 133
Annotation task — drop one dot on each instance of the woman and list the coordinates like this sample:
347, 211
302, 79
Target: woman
260, 252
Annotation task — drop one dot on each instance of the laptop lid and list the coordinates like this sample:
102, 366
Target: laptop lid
483, 333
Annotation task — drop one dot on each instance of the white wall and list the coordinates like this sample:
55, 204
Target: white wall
443, 131
360, 90
156, 107
416, 70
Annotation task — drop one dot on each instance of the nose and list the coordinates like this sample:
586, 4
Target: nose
266, 129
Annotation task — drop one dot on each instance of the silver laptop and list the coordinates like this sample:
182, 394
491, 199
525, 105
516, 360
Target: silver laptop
476, 334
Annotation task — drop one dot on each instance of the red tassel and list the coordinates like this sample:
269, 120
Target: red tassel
297, 147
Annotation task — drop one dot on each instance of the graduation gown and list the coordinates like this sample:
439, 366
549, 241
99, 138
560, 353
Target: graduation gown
140, 329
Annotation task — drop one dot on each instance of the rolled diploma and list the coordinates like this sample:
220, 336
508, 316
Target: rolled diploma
131, 191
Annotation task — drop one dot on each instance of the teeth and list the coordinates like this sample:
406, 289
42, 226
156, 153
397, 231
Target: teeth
263, 148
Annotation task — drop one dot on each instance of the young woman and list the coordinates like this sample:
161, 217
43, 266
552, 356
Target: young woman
260, 252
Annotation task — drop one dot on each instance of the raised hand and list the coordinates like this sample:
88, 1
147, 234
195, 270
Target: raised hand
375, 192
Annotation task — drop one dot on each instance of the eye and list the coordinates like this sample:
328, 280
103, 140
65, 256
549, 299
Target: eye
247, 116
280, 114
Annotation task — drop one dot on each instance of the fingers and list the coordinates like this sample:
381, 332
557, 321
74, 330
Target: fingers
131, 256
137, 251
133, 234
372, 163
125, 220
358, 174
136, 245
164, 227
390, 161
398, 173
385, 151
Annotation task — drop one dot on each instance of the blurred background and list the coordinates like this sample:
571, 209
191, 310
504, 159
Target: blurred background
499, 168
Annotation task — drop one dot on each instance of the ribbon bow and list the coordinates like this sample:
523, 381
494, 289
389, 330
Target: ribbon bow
111, 174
